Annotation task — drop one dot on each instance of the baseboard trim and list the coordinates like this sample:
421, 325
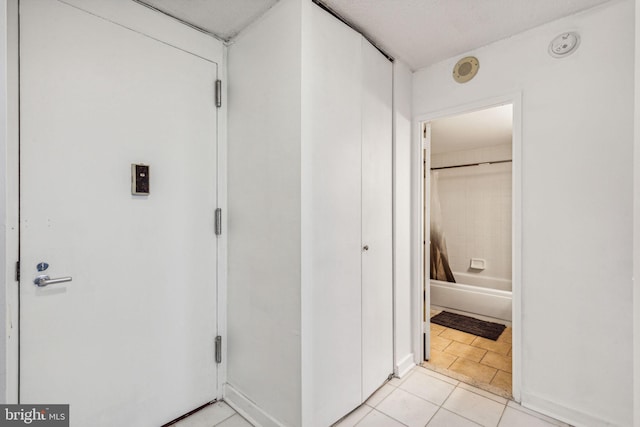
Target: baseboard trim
404, 365
563, 413
248, 409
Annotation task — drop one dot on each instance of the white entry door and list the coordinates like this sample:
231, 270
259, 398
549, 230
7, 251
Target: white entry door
130, 340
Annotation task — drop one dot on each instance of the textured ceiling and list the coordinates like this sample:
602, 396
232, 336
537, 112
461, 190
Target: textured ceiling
418, 32
223, 18
484, 128
423, 32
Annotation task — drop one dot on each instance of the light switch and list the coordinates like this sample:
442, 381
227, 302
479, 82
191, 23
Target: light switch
139, 180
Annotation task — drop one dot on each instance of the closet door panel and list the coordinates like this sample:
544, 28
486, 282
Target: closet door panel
331, 174
377, 288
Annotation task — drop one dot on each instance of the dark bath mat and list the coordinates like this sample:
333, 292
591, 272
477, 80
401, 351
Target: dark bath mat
468, 324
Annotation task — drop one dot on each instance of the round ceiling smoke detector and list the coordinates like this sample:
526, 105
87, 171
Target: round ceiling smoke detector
466, 69
564, 44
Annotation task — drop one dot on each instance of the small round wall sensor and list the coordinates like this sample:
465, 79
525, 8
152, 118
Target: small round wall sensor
466, 69
564, 44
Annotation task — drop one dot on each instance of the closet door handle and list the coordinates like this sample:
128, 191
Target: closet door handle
365, 248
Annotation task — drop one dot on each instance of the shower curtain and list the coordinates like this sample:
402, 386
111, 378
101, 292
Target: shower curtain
440, 269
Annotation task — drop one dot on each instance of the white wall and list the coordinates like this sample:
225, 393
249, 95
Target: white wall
3, 186
577, 166
636, 228
9, 199
475, 205
264, 213
402, 88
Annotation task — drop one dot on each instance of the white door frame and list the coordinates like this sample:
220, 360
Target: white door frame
418, 229
221, 269
155, 25
9, 190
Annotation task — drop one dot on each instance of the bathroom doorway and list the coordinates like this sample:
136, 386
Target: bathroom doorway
468, 246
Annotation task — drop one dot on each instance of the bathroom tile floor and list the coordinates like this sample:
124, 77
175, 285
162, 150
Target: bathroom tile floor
471, 359
420, 398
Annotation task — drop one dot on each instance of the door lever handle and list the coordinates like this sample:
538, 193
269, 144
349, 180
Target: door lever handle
42, 281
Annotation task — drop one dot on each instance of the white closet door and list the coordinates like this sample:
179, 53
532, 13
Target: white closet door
377, 322
331, 174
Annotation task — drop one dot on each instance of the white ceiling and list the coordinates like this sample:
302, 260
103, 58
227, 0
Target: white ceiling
423, 32
484, 128
419, 32
223, 18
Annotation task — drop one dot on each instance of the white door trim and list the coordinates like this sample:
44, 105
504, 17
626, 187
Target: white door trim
417, 255
9, 188
222, 238
154, 24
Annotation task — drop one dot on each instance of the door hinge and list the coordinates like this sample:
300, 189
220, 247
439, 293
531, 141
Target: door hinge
17, 271
218, 349
218, 93
218, 225
426, 135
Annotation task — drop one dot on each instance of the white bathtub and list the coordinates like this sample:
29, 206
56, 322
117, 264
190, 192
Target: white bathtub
472, 299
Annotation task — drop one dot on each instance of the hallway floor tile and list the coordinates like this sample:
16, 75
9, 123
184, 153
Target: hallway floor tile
421, 398
218, 414
427, 398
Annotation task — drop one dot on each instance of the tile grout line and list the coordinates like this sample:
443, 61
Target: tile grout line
426, 400
433, 416
474, 392
538, 415
384, 398
494, 375
485, 355
446, 346
462, 416
453, 361
380, 412
393, 418
234, 413
449, 395
437, 375
502, 414
365, 416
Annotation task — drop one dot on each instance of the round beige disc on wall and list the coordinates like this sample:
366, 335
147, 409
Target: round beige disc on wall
466, 69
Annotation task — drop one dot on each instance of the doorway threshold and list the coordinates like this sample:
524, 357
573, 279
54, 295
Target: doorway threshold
499, 391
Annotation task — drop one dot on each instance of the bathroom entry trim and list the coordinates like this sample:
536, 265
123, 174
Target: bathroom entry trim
421, 163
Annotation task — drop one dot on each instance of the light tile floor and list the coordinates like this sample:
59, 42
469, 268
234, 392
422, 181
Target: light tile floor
427, 398
218, 414
475, 360
422, 398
